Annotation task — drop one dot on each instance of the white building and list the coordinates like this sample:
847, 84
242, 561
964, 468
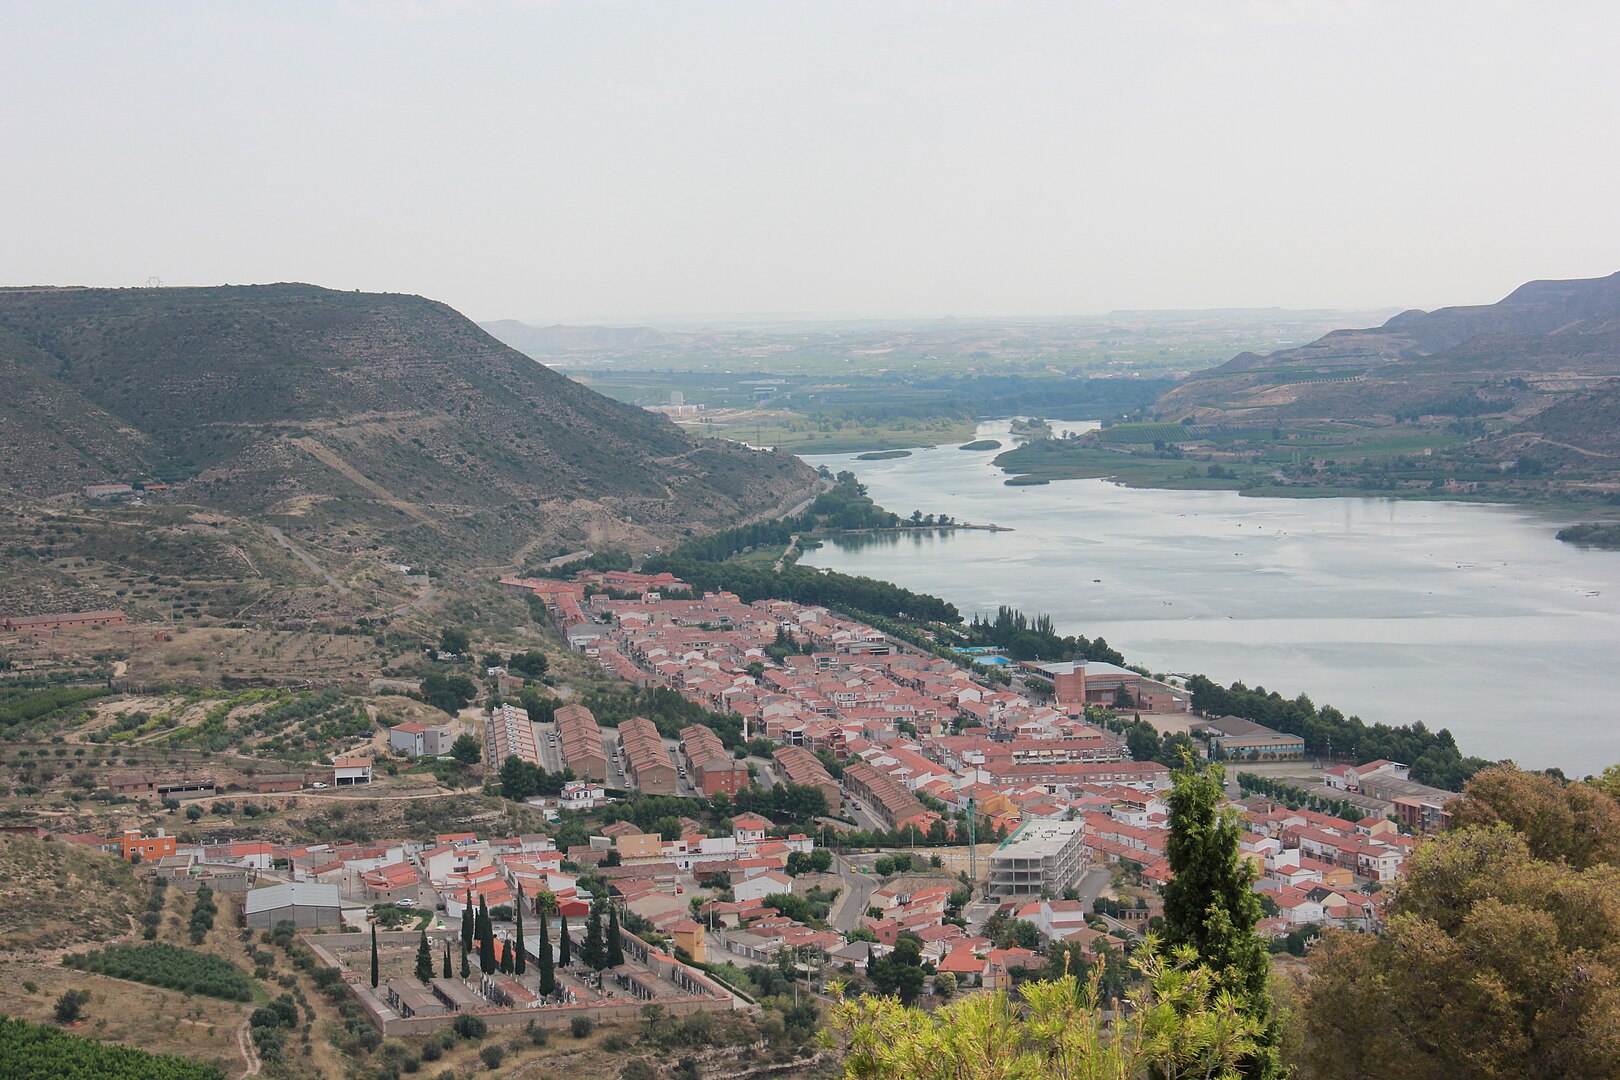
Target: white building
1042, 856
351, 770
761, 885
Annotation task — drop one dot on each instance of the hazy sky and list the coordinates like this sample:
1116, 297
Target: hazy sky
575, 160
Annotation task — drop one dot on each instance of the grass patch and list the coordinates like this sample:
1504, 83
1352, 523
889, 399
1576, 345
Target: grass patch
882, 455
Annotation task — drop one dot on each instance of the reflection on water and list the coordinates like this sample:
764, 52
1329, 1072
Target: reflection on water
1468, 617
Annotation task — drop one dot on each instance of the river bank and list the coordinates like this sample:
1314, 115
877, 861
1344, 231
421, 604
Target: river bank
1471, 617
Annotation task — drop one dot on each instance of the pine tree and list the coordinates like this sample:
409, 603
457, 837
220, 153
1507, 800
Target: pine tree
520, 962
1210, 903
548, 979
565, 945
615, 944
424, 960
594, 951
374, 956
449, 972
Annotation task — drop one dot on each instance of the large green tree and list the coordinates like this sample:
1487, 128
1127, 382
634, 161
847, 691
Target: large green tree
424, 960
520, 962
1495, 965
615, 942
565, 944
1210, 905
594, 951
548, 978
374, 956
1579, 823
486, 939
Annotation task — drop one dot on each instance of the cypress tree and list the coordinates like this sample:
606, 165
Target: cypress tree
520, 962
548, 979
424, 960
565, 946
594, 951
374, 956
1210, 903
466, 968
486, 939
467, 925
449, 972
615, 945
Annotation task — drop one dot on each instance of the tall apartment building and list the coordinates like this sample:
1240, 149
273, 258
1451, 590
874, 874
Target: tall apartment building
581, 741
1041, 856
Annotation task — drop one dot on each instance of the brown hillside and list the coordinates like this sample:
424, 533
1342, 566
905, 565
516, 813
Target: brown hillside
387, 417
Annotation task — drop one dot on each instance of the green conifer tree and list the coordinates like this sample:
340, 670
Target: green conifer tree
548, 978
1210, 903
486, 939
449, 972
374, 956
594, 952
424, 960
467, 928
615, 944
565, 944
520, 961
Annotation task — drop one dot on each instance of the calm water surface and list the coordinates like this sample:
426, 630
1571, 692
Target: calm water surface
1468, 617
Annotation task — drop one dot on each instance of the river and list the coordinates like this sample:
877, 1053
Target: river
1467, 617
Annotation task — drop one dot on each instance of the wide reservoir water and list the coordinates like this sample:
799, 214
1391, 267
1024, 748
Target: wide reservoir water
1468, 617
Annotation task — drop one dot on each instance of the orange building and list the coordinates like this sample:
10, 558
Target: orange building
132, 845
688, 935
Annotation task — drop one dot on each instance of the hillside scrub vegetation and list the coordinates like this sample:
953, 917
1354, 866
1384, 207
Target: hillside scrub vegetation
55, 894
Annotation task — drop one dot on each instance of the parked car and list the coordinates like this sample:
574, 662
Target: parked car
317, 785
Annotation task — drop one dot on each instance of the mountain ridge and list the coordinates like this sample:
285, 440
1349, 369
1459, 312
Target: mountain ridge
387, 413
1559, 332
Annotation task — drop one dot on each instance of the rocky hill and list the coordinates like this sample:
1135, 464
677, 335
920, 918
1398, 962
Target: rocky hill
385, 422
1546, 340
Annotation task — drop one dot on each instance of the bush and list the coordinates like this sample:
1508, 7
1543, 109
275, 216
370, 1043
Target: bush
493, 1055
580, 1027
470, 1027
70, 1006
